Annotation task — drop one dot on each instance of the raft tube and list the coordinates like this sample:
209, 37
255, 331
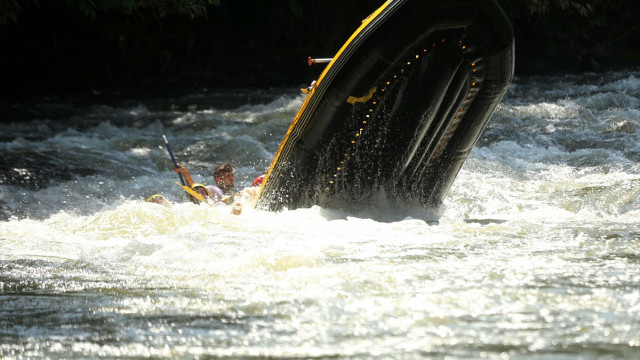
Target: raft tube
398, 109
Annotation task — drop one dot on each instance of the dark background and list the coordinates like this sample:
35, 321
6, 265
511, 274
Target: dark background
79, 46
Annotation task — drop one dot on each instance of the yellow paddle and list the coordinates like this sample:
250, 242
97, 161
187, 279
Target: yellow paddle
191, 192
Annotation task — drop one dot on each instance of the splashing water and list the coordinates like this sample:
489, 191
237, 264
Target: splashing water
535, 252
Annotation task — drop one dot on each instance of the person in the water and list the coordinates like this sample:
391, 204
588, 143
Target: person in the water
258, 180
250, 194
202, 191
222, 191
223, 177
158, 199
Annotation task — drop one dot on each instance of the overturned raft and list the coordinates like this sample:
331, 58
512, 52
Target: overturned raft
398, 109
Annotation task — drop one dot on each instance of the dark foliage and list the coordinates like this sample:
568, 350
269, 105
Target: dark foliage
75, 45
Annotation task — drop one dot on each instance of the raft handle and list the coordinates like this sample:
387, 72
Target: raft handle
312, 61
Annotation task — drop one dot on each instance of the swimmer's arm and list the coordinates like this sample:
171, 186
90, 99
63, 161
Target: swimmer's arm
185, 173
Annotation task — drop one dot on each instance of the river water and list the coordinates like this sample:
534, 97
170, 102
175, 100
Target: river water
534, 255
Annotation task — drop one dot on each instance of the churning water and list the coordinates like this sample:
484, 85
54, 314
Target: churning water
535, 254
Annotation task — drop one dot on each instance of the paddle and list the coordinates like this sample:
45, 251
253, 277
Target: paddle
192, 192
175, 165
173, 158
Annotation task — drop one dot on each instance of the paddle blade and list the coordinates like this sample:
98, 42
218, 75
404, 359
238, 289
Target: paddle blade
191, 192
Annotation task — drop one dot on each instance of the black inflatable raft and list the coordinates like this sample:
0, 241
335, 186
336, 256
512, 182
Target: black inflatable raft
399, 107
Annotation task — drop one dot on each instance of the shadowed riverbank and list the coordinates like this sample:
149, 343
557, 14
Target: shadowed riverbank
56, 48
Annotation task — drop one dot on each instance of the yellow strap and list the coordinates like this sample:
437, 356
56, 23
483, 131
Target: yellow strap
352, 99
